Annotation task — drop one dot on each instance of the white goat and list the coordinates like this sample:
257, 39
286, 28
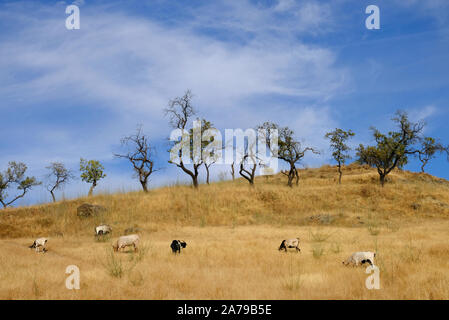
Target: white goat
290, 243
102, 229
38, 243
359, 258
125, 241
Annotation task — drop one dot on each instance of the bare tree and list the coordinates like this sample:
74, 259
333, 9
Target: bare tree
429, 147
141, 155
15, 175
232, 171
180, 111
288, 148
287, 174
58, 176
207, 166
248, 174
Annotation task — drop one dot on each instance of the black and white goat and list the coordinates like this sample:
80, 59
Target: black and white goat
176, 245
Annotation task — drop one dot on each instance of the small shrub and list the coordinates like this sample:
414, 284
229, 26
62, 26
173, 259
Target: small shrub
138, 256
317, 251
319, 236
335, 248
114, 265
373, 226
373, 230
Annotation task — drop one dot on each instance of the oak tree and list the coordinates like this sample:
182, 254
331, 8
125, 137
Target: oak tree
288, 148
92, 171
15, 176
340, 149
392, 149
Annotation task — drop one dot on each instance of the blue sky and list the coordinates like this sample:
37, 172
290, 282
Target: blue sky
311, 65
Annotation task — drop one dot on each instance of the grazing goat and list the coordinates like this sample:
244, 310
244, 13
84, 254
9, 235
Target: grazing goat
38, 243
103, 229
176, 245
290, 243
126, 241
360, 258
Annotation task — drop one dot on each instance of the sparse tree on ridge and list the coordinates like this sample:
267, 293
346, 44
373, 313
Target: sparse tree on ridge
92, 171
393, 149
287, 173
208, 157
340, 149
232, 171
141, 155
207, 165
58, 176
429, 147
289, 149
248, 174
15, 175
180, 111
249, 160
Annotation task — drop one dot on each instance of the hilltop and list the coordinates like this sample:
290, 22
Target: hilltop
318, 199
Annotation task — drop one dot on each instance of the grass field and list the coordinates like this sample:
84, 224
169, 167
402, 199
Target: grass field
233, 233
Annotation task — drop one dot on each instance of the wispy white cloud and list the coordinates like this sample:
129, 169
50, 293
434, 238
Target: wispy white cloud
423, 113
134, 66
120, 70
284, 5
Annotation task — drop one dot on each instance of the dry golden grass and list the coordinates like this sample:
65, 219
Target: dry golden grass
233, 233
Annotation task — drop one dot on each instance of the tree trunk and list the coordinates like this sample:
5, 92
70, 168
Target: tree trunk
291, 175
248, 175
193, 175
423, 166
144, 185
340, 174
91, 190
207, 173
382, 180
297, 177
53, 196
232, 171
195, 182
